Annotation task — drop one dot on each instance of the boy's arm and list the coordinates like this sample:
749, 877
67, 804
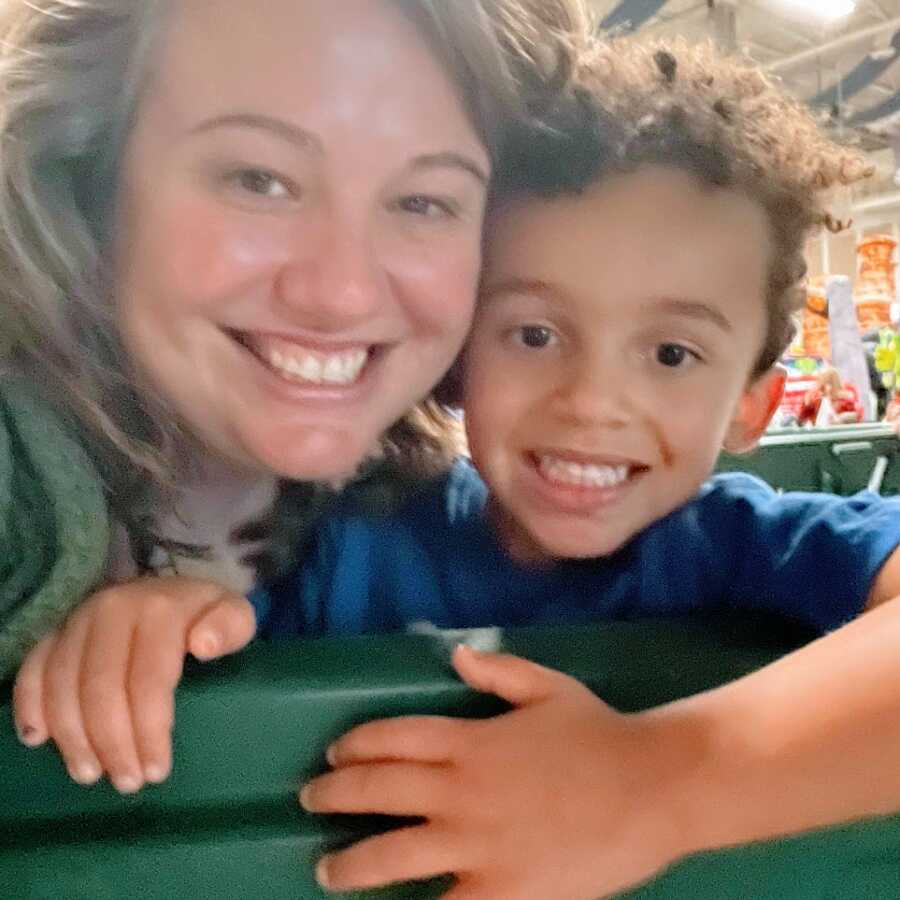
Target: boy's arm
809, 741
565, 797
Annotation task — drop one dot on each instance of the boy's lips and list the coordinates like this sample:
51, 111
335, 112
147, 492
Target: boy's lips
579, 483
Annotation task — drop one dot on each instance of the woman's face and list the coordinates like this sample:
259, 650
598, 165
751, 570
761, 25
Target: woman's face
299, 228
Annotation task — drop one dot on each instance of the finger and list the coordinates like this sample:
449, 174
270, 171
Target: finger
105, 705
407, 854
28, 695
424, 739
62, 703
516, 680
393, 789
224, 627
157, 661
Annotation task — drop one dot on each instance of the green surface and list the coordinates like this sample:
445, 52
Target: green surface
838, 460
250, 729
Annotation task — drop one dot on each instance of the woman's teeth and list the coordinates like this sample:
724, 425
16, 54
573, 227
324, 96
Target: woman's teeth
565, 472
318, 368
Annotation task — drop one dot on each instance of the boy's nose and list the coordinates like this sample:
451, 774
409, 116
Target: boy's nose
595, 392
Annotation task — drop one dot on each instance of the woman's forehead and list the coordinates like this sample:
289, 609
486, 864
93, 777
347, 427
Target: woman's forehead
315, 61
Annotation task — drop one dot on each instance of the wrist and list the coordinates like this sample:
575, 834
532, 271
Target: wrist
710, 764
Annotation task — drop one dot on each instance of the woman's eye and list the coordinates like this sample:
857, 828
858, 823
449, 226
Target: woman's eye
427, 207
261, 182
536, 336
674, 356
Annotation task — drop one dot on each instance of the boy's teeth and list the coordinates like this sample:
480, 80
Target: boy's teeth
318, 368
567, 472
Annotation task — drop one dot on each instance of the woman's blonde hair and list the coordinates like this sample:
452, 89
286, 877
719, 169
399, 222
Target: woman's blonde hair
71, 77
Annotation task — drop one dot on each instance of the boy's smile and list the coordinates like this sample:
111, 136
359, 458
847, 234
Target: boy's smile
611, 356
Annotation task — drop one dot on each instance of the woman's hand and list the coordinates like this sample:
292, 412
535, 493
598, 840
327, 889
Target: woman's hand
102, 686
563, 797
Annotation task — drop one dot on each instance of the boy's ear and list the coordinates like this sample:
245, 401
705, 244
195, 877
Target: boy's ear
755, 410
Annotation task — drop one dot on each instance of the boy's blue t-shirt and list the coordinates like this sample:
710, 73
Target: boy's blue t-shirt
738, 544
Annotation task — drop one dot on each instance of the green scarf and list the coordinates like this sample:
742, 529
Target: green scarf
54, 524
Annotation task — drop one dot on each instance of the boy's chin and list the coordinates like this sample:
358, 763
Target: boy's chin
537, 549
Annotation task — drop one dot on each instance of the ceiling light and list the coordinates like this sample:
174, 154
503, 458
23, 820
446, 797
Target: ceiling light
822, 9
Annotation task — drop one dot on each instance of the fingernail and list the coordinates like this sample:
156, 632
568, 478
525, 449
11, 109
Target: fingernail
127, 784
30, 736
156, 773
323, 876
305, 796
331, 755
85, 773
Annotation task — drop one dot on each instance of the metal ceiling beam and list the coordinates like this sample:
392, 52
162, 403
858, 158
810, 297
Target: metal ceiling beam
787, 63
631, 14
860, 77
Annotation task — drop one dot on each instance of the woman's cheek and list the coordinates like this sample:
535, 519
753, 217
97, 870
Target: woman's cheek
443, 277
212, 257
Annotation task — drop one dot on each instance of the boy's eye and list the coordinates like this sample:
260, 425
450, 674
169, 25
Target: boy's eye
536, 336
673, 355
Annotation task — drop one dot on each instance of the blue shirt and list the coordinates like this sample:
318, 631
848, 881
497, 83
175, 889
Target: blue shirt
737, 544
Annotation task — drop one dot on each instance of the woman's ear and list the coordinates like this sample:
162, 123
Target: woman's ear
755, 410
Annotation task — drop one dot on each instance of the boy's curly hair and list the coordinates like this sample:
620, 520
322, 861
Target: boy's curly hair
721, 119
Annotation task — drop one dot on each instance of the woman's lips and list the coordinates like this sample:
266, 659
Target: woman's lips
299, 363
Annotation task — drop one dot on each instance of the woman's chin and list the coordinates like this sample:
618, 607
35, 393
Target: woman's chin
315, 454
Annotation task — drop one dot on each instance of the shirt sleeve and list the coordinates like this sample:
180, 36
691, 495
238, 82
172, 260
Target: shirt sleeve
811, 557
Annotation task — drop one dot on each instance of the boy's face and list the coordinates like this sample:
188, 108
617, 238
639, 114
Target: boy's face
611, 354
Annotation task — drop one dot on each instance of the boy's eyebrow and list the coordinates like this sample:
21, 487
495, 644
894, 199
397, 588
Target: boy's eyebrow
694, 309
519, 286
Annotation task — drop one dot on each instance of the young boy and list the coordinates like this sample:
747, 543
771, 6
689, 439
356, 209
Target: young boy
639, 282
640, 275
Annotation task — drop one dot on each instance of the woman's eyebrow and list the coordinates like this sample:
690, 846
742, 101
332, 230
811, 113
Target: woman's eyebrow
300, 137
451, 160
306, 140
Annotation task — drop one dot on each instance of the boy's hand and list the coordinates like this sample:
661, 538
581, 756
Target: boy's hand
102, 686
562, 797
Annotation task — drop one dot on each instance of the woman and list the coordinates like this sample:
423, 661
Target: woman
238, 245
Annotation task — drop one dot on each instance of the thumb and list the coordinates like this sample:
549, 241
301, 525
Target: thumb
516, 680
225, 627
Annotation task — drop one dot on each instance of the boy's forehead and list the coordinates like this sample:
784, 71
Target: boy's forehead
642, 220
633, 240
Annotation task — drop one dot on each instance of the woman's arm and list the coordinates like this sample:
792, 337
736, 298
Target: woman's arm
102, 686
54, 526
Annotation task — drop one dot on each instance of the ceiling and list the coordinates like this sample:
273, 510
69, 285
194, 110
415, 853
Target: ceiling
848, 69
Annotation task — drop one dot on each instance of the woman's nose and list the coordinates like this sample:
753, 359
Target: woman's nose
334, 278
